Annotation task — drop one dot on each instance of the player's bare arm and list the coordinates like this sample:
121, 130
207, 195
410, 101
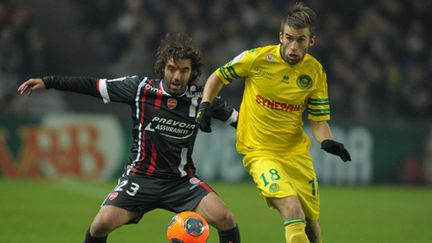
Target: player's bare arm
204, 114
321, 131
212, 88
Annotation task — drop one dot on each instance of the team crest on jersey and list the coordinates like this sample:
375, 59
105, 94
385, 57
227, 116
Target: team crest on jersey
304, 81
274, 187
113, 195
171, 103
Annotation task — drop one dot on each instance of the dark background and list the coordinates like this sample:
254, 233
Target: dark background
377, 54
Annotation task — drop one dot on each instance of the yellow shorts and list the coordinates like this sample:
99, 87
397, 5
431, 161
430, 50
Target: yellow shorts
278, 176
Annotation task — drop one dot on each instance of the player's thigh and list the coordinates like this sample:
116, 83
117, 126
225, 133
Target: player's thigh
305, 183
135, 194
183, 194
269, 175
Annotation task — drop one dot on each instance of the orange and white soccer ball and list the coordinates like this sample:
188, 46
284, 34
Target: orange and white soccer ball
188, 227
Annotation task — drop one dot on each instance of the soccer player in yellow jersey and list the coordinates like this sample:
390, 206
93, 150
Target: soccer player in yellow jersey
281, 81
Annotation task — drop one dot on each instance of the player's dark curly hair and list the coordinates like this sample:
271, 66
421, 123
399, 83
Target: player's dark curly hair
178, 46
300, 16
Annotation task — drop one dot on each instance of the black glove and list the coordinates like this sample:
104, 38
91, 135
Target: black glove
203, 117
336, 148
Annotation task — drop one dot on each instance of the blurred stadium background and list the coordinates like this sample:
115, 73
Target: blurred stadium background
377, 54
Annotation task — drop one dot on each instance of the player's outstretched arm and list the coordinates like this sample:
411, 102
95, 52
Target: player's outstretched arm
31, 85
82, 85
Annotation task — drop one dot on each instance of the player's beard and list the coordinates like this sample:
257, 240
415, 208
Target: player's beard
175, 87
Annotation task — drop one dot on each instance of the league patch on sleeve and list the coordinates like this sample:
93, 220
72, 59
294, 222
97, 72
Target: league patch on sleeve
238, 58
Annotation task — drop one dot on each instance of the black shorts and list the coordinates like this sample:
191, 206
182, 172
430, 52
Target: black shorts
143, 194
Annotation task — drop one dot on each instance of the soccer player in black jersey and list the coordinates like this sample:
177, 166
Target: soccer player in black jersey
160, 172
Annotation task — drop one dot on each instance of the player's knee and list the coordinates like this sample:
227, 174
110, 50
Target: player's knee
289, 207
230, 220
225, 221
101, 226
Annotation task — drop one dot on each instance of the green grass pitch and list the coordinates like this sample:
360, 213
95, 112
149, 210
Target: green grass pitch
60, 211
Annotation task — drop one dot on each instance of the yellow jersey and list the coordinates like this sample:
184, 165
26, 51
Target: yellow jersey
275, 96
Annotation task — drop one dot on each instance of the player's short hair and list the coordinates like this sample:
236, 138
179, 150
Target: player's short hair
300, 16
178, 46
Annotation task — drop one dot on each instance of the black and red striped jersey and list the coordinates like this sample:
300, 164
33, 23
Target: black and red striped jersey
164, 128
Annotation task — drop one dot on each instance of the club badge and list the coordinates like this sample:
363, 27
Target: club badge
113, 195
304, 81
171, 103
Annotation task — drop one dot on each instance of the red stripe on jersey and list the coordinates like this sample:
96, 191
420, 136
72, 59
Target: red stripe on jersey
158, 97
190, 170
143, 133
97, 85
152, 165
205, 186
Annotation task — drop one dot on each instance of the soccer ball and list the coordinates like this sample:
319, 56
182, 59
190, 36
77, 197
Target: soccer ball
188, 227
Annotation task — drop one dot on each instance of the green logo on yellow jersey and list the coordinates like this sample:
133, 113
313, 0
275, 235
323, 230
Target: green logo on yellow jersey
274, 187
263, 73
304, 81
285, 79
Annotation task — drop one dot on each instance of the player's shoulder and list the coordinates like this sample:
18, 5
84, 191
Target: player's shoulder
311, 60
257, 54
125, 81
262, 50
313, 63
148, 81
124, 78
134, 79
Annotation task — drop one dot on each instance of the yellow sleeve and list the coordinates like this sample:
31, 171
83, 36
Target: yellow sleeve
318, 103
237, 68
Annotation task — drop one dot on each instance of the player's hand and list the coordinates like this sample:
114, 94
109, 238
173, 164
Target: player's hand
31, 85
336, 148
203, 117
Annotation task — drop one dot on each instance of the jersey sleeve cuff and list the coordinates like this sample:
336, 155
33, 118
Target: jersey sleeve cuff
319, 118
